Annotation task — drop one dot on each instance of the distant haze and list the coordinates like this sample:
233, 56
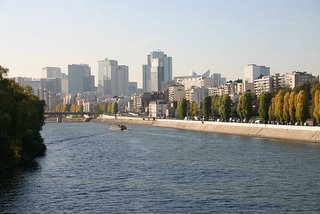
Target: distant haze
223, 36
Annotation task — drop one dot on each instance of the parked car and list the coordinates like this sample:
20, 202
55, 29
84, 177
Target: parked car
258, 121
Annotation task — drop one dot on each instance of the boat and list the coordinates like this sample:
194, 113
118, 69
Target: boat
122, 127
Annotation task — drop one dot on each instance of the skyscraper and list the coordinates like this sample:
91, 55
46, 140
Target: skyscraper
113, 79
79, 78
51, 72
157, 71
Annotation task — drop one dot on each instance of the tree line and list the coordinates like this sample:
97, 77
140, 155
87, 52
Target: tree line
21, 120
69, 107
110, 108
284, 106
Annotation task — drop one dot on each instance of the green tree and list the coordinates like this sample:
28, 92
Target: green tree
292, 106
240, 107
264, 104
182, 108
301, 107
244, 108
3, 72
271, 110
115, 109
21, 120
215, 105
225, 107
278, 107
193, 109
207, 106
286, 107
109, 107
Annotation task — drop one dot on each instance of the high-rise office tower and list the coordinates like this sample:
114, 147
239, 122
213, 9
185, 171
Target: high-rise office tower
79, 78
157, 71
252, 72
113, 79
51, 72
52, 78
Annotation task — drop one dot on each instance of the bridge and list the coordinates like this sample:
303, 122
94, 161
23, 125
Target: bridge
88, 115
55, 113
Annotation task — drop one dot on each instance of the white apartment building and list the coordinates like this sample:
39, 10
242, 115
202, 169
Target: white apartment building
244, 87
253, 71
294, 78
196, 94
157, 108
288, 80
199, 81
213, 91
265, 84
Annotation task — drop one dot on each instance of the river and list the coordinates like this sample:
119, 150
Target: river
89, 168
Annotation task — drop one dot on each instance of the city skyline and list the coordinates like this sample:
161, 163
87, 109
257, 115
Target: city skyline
199, 35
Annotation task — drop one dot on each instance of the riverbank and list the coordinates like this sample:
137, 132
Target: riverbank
293, 133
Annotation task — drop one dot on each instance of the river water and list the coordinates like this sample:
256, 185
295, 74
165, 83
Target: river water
89, 168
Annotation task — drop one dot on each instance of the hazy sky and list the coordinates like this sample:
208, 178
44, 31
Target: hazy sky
221, 35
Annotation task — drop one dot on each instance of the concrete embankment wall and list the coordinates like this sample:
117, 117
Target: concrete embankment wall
296, 133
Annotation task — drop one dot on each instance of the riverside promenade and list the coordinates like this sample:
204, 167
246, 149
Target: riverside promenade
293, 133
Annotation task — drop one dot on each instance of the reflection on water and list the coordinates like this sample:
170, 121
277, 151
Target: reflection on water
89, 168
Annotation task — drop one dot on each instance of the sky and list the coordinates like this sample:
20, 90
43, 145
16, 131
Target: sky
221, 35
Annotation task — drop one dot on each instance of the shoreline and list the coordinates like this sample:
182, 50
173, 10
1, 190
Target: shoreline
309, 134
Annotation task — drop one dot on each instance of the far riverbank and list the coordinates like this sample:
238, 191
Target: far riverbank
295, 133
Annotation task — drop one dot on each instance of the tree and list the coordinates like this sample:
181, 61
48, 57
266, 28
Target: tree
115, 109
73, 107
193, 109
264, 104
271, 110
215, 105
109, 107
278, 107
207, 106
21, 120
3, 72
182, 108
240, 107
292, 106
79, 108
244, 108
286, 104
301, 107
225, 107
316, 105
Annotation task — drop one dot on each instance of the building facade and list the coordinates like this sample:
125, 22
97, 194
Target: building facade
79, 78
157, 71
158, 108
253, 71
294, 78
113, 79
176, 92
196, 94
132, 88
50, 99
51, 72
